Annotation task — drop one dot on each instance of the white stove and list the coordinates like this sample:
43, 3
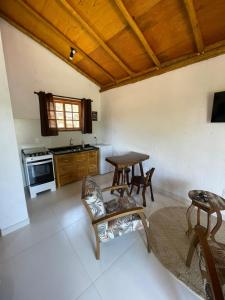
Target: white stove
39, 170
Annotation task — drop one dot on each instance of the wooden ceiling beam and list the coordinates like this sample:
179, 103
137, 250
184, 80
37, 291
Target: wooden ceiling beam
137, 31
96, 36
61, 35
41, 42
194, 25
173, 65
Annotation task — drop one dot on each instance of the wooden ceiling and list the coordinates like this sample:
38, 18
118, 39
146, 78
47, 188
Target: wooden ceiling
120, 42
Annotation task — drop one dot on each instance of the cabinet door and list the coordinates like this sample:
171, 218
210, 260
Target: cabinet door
65, 169
93, 163
81, 165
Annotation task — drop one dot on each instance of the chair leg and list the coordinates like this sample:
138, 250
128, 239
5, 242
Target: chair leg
143, 219
151, 191
131, 189
97, 250
143, 196
138, 189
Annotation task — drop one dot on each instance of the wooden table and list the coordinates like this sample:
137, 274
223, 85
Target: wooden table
122, 162
210, 203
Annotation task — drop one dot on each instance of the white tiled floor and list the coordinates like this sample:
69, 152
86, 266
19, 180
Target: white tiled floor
53, 258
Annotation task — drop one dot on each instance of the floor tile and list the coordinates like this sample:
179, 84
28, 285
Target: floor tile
42, 225
90, 294
83, 241
47, 271
139, 275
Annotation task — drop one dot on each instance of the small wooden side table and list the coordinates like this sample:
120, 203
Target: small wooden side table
210, 203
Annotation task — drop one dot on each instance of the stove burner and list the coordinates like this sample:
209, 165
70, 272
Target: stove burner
32, 152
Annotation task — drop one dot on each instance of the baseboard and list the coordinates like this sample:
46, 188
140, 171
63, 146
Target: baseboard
171, 195
15, 227
178, 198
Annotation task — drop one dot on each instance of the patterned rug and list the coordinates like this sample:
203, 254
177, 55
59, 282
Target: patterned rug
170, 245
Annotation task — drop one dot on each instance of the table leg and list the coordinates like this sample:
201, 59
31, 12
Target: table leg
141, 169
115, 178
193, 245
198, 216
217, 226
208, 225
188, 216
132, 170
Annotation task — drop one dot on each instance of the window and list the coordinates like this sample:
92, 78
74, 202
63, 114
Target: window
66, 114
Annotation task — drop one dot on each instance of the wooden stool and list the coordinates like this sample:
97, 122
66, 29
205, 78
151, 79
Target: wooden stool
121, 176
208, 202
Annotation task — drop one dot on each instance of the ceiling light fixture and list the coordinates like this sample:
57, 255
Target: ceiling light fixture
72, 53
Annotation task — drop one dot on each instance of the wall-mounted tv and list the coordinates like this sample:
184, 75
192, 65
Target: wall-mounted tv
218, 111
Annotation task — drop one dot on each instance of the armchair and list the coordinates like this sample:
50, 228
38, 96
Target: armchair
113, 218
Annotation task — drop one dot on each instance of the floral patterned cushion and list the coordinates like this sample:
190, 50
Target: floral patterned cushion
121, 225
94, 199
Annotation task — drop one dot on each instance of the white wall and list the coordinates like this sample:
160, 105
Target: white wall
13, 211
30, 67
168, 117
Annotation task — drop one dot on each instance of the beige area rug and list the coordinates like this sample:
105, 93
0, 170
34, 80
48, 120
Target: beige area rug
170, 245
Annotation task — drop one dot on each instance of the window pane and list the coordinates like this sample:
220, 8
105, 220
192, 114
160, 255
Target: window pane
76, 124
69, 124
76, 116
60, 123
59, 115
52, 124
59, 106
75, 108
68, 116
68, 107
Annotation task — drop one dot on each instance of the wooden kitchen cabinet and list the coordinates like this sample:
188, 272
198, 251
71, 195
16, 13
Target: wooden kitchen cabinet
74, 166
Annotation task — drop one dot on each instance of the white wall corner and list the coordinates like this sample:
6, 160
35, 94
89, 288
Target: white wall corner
7, 230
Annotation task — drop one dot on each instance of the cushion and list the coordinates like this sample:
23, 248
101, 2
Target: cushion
94, 199
120, 226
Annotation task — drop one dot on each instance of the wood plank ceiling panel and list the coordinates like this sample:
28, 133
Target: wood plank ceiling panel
55, 39
129, 48
108, 22
211, 17
165, 26
123, 41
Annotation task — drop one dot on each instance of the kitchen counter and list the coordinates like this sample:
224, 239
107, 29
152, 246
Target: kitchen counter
72, 149
73, 163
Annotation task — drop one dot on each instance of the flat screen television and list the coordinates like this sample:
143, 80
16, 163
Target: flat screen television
218, 111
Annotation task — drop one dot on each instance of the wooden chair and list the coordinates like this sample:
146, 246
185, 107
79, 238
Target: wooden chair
211, 261
113, 218
143, 182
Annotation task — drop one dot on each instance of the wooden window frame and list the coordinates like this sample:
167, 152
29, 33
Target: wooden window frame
68, 101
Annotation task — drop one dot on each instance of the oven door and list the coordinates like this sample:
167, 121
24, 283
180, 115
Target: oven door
40, 172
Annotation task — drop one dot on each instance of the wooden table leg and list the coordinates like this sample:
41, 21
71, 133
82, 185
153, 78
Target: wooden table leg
141, 169
191, 250
217, 226
115, 178
208, 225
132, 170
198, 216
188, 216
